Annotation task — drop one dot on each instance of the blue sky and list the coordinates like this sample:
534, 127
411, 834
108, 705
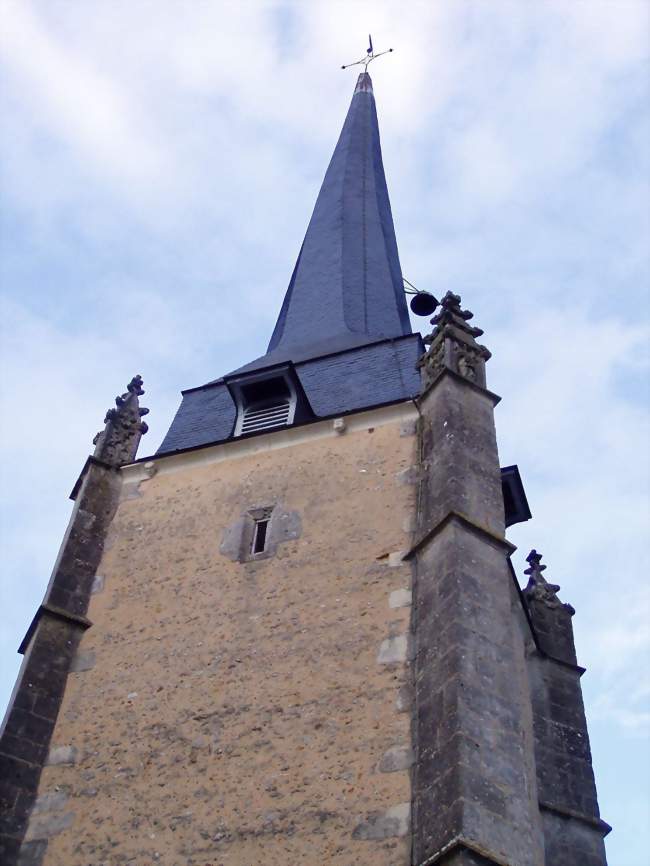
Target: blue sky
160, 161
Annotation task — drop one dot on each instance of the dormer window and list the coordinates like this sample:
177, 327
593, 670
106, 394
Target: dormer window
268, 400
267, 403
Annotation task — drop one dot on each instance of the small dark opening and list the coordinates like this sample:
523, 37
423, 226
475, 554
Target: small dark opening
267, 389
259, 536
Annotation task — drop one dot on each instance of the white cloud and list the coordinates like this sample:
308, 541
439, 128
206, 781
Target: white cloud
86, 108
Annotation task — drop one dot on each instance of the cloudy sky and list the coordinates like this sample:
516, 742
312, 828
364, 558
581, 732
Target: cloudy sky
160, 161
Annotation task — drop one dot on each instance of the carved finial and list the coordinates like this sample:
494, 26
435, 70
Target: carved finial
135, 386
451, 314
538, 588
118, 443
534, 559
453, 345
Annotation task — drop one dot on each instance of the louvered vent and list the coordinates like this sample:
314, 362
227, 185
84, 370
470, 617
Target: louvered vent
266, 415
264, 402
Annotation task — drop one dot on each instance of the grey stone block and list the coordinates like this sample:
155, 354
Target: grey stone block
404, 700
61, 755
394, 649
409, 476
32, 853
396, 559
397, 758
409, 523
408, 428
400, 598
394, 822
231, 544
47, 824
131, 490
50, 802
83, 661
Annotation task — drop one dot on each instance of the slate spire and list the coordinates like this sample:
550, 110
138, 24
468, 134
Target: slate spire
346, 288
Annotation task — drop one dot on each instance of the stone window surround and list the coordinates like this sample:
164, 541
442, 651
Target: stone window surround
237, 540
251, 518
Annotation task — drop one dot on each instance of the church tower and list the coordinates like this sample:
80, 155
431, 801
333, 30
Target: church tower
294, 634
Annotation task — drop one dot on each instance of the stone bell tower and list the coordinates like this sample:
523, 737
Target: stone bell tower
294, 634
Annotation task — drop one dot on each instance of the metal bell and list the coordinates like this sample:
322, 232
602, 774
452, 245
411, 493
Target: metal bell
423, 304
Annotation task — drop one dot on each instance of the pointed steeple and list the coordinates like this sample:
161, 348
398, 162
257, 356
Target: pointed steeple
346, 288
343, 340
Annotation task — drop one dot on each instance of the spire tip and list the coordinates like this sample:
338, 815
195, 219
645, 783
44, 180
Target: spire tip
364, 84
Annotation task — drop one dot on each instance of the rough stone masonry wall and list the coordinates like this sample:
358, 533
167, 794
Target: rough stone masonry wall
227, 712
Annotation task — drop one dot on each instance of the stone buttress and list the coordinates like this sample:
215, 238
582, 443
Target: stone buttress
52, 640
502, 771
573, 829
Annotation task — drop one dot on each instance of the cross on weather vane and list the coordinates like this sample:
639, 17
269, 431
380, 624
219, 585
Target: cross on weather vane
370, 56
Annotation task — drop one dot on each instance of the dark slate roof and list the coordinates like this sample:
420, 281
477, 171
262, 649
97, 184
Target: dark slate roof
346, 287
361, 378
344, 322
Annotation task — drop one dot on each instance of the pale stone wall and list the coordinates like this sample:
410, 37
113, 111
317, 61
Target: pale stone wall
237, 713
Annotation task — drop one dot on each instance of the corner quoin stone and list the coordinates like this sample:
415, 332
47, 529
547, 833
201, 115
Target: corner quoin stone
400, 598
50, 802
46, 824
396, 559
397, 758
408, 428
83, 661
411, 475
404, 700
61, 755
32, 853
385, 825
392, 650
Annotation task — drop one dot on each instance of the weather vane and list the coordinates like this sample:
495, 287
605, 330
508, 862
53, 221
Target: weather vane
370, 56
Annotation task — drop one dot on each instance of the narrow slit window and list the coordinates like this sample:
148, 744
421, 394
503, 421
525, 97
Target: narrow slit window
259, 535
